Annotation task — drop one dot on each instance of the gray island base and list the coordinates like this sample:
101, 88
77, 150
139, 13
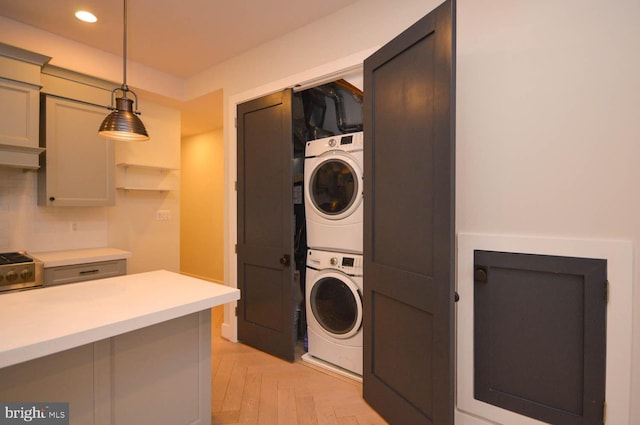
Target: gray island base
125, 350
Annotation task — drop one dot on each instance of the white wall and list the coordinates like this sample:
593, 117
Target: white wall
133, 223
547, 112
25, 226
548, 126
202, 206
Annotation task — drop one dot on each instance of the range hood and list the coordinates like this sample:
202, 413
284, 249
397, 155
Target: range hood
20, 157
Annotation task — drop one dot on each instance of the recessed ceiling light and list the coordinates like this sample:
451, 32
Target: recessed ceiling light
85, 16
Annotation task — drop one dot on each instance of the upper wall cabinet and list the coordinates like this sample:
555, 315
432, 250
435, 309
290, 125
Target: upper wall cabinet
19, 113
19, 106
77, 168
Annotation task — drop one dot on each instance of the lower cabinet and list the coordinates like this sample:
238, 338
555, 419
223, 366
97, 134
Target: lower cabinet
82, 272
78, 167
158, 375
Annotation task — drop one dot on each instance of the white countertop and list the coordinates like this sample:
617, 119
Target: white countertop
79, 256
44, 321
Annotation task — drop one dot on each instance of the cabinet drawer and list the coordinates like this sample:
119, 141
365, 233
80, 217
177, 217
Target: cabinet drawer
83, 272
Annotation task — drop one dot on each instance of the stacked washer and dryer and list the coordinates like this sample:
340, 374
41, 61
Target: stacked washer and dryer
333, 179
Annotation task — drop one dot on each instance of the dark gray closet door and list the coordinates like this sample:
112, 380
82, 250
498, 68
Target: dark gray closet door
409, 220
265, 225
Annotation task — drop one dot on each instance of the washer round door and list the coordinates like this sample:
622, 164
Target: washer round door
335, 187
336, 304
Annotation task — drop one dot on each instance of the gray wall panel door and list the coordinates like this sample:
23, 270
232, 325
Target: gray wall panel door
265, 225
409, 221
540, 335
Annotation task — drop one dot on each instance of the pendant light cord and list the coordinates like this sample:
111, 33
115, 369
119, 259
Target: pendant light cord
122, 123
124, 52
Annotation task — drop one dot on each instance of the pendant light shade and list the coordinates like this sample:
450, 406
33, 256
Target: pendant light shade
123, 123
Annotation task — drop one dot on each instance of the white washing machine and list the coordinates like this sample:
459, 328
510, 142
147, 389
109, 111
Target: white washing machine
333, 179
334, 308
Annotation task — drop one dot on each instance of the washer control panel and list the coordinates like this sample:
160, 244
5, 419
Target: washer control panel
346, 262
345, 142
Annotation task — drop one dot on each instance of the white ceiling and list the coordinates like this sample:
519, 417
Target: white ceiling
179, 37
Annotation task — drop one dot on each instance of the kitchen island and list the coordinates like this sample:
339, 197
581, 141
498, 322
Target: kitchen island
123, 350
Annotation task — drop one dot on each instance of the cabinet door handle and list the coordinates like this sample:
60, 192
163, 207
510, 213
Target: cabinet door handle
480, 275
89, 271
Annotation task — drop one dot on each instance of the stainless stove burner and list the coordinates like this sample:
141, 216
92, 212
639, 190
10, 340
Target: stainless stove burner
19, 271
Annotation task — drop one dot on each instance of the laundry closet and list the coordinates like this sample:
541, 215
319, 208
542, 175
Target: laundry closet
328, 124
325, 220
406, 308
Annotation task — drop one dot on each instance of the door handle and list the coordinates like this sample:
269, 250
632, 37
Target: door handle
285, 260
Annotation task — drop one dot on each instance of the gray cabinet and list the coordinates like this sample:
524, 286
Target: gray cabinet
83, 272
19, 106
78, 167
19, 117
155, 375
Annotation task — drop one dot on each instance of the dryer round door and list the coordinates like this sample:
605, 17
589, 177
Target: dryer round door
335, 186
336, 304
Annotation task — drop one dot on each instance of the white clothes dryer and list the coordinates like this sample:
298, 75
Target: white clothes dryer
334, 308
333, 179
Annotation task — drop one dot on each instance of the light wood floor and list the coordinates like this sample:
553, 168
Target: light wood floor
252, 387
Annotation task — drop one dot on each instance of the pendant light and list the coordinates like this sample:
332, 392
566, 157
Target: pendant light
123, 123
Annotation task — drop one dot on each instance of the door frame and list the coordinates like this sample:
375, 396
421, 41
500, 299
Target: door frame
300, 81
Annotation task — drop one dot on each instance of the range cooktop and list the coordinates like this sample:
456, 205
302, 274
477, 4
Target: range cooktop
19, 271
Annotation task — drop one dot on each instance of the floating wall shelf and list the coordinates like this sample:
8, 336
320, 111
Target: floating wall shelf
126, 165
145, 178
143, 189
